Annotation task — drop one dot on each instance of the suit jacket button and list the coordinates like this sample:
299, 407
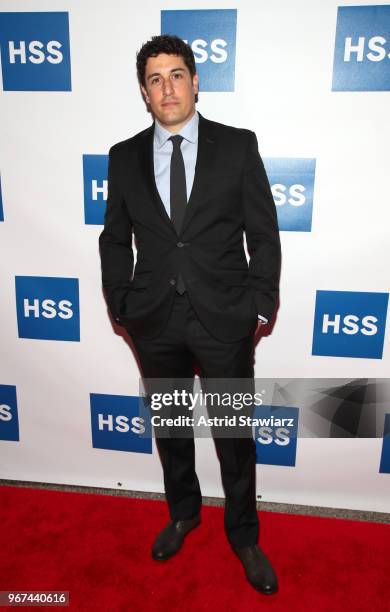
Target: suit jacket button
172, 281
180, 244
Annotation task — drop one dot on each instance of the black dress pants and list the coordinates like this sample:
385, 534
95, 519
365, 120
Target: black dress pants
172, 355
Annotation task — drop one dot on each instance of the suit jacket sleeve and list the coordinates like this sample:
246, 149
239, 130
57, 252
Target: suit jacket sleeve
115, 241
262, 232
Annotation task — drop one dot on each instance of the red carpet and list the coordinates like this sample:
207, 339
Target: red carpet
98, 548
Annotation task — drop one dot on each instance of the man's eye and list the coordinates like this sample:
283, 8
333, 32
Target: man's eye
177, 75
155, 80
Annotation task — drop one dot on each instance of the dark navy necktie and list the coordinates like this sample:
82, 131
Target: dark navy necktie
178, 184
178, 193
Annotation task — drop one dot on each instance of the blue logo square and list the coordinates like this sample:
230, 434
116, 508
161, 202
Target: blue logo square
384, 467
276, 434
211, 34
349, 324
118, 422
95, 168
48, 308
362, 51
292, 185
9, 422
35, 51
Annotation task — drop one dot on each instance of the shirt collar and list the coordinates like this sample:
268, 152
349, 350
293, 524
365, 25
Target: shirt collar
189, 131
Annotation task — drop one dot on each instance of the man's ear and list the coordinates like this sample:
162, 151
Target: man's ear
195, 83
145, 94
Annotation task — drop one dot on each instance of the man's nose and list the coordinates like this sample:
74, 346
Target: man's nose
168, 87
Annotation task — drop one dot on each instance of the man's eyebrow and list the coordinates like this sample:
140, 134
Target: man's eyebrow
158, 74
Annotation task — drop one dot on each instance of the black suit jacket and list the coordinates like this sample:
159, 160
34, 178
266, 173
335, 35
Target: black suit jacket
230, 195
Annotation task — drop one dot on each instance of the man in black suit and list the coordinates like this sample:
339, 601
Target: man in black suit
188, 189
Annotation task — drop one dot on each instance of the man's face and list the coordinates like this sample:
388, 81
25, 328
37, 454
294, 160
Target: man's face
169, 90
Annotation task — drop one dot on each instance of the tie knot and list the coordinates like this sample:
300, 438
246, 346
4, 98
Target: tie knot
176, 141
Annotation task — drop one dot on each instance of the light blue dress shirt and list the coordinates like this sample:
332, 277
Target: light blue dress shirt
162, 152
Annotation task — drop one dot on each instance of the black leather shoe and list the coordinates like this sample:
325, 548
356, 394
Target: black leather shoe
170, 539
258, 569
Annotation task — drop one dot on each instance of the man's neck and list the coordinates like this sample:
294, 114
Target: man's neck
174, 129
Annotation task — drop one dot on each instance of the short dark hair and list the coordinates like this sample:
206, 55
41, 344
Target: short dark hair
165, 43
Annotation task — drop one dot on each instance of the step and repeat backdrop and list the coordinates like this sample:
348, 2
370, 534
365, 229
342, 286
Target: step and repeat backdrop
312, 80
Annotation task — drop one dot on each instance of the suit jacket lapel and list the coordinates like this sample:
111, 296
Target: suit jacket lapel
147, 167
204, 165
